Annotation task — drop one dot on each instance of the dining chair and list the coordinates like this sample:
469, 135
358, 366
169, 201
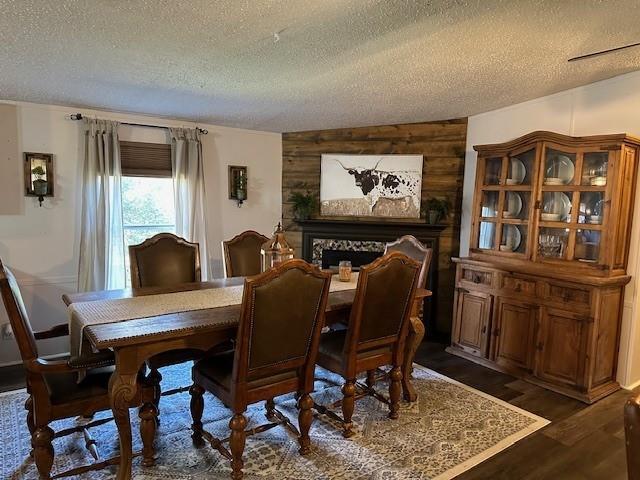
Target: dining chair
375, 335
165, 260
54, 392
281, 317
242, 254
413, 248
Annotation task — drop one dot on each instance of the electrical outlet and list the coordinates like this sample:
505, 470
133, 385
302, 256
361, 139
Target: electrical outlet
7, 332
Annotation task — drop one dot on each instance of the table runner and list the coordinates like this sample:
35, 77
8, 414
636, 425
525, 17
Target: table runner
83, 314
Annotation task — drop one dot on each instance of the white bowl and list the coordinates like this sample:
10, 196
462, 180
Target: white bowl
599, 181
595, 219
550, 217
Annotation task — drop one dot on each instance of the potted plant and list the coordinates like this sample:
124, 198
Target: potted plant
303, 204
436, 209
40, 185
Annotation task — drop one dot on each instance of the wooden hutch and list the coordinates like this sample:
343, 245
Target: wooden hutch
541, 294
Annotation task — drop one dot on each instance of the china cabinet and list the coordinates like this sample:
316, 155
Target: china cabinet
540, 295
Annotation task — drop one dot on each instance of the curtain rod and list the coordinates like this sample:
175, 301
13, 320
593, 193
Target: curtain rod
78, 116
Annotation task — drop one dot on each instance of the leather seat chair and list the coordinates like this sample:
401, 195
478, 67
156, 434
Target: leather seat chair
53, 388
413, 248
276, 346
375, 335
242, 254
165, 260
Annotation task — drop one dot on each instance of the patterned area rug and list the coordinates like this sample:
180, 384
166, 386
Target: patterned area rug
450, 429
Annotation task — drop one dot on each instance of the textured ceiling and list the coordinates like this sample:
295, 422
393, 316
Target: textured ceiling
336, 63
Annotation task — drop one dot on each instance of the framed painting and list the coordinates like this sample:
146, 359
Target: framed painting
371, 185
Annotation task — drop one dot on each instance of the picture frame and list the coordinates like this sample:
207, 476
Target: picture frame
382, 186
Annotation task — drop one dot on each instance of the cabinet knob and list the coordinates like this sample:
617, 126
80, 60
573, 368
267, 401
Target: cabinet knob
484, 329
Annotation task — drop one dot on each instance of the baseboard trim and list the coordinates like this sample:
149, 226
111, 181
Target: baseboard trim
631, 386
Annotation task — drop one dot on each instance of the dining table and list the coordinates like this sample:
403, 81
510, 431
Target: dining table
135, 340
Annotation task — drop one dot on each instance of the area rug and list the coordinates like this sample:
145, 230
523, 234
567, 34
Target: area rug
451, 428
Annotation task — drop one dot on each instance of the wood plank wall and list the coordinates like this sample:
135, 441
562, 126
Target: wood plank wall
442, 144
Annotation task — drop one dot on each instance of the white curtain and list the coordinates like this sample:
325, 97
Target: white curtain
102, 251
189, 191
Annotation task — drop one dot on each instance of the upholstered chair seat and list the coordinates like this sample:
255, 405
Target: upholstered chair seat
65, 388
332, 349
281, 317
242, 254
217, 371
375, 335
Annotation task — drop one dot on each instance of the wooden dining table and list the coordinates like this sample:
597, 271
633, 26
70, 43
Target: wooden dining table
135, 341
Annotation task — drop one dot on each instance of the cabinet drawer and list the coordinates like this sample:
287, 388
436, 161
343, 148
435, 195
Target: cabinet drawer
568, 294
515, 284
475, 276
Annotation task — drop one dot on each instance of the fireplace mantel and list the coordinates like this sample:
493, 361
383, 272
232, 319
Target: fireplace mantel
377, 231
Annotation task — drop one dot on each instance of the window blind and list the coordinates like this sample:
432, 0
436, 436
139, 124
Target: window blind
141, 159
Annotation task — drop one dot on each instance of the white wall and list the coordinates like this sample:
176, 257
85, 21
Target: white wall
40, 244
610, 106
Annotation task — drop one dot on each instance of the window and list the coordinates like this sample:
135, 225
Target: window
147, 209
147, 193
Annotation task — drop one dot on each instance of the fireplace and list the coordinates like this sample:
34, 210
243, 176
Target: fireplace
325, 242
331, 258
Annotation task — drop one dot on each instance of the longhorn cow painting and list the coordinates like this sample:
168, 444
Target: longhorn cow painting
371, 185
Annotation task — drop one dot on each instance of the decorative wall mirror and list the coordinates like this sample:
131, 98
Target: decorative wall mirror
238, 183
38, 175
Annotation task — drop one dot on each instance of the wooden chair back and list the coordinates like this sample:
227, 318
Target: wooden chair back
164, 260
281, 319
242, 254
382, 305
17, 313
413, 248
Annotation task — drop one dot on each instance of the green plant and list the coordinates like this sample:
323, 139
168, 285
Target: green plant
303, 204
38, 172
439, 205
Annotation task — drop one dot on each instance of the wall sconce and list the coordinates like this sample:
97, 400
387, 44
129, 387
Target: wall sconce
238, 183
38, 175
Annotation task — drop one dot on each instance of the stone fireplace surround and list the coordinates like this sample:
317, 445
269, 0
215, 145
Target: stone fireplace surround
324, 240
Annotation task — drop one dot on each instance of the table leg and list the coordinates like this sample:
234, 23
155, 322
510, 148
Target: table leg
414, 339
122, 391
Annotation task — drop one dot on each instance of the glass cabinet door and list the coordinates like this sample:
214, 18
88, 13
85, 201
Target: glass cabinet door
572, 204
505, 202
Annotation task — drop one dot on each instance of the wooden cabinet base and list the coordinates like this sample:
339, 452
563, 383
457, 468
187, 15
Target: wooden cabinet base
587, 397
562, 334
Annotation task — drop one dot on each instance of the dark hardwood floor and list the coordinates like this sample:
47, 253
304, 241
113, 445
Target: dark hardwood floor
582, 443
